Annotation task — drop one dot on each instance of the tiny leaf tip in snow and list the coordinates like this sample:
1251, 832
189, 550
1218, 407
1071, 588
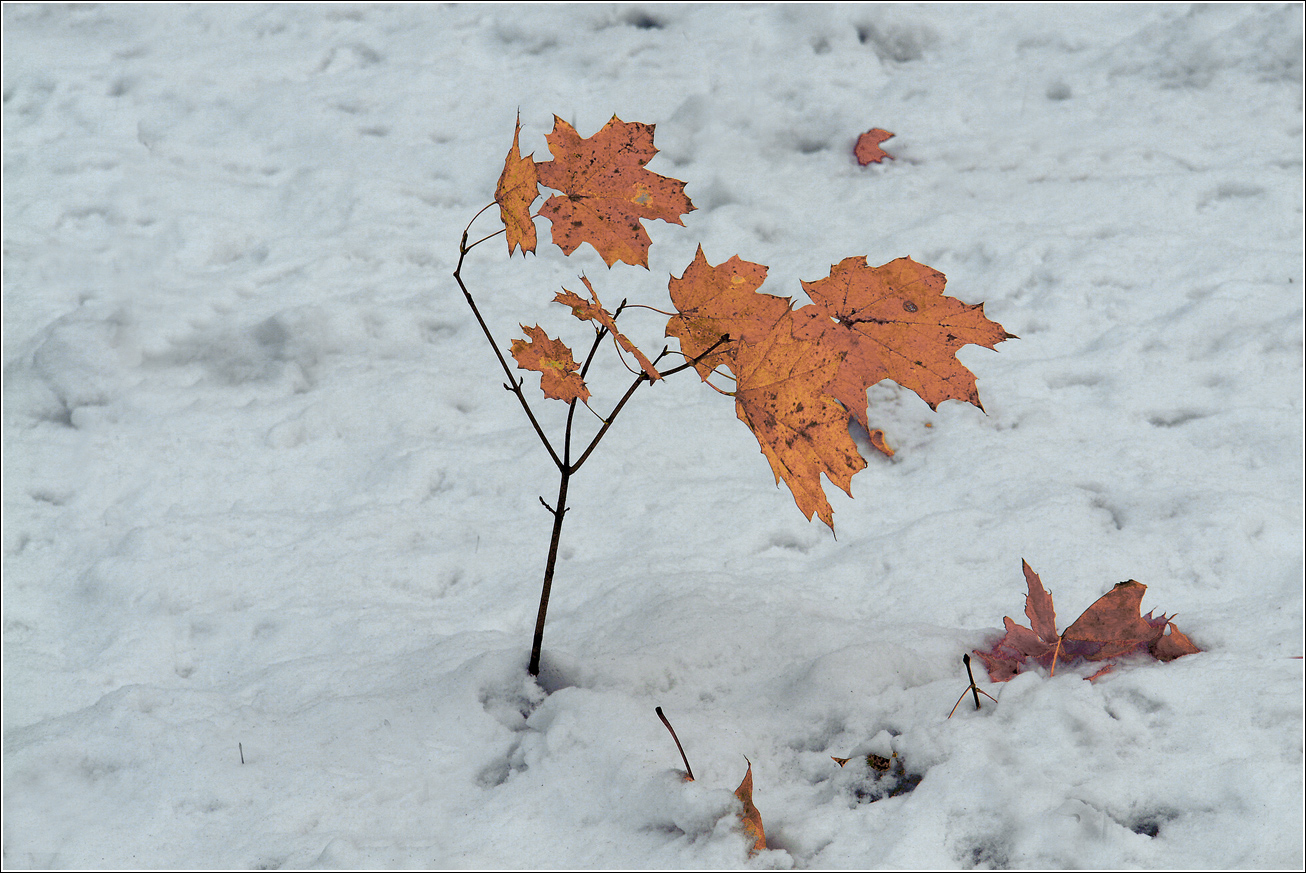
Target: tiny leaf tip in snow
751, 818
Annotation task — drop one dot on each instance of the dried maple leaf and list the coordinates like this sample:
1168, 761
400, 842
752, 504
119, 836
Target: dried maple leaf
592, 310
554, 362
751, 818
862, 367
607, 191
906, 329
518, 188
868, 149
712, 302
1112, 627
1038, 606
780, 394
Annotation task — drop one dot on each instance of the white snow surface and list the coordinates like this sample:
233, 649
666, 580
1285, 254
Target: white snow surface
265, 495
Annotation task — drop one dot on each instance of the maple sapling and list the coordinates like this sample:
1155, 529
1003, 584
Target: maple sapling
799, 374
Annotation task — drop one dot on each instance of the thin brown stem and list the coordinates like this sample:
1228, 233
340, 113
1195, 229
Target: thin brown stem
973, 688
559, 510
640, 379
688, 769
514, 384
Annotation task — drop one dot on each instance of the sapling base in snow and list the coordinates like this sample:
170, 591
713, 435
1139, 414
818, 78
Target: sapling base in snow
798, 375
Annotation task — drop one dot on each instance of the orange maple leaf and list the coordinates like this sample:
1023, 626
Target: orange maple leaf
554, 362
867, 150
751, 818
592, 310
862, 367
712, 302
518, 188
1112, 627
907, 330
780, 393
607, 191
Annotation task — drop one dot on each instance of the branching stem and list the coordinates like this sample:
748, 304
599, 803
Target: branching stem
566, 468
513, 384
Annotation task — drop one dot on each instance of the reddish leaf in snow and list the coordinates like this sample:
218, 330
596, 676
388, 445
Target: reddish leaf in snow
607, 191
518, 188
1115, 622
1112, 627
868, 149
552, 359
592, 310
1038, 606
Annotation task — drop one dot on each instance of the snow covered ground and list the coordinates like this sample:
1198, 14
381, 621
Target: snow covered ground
265, 497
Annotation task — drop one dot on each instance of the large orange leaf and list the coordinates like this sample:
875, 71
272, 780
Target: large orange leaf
802, 373
559, 376
712, 302
518, 188
606, 191
780, 393
906, 326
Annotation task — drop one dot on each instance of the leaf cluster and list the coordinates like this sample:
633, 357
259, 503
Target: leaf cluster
799, 374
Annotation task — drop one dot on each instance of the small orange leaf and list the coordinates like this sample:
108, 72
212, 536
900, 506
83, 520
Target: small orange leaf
552, 359
868, 149
592, 310
518, 188
751, 818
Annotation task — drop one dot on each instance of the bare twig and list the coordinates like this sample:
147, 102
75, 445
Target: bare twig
972, 688
689, 770
463, 249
